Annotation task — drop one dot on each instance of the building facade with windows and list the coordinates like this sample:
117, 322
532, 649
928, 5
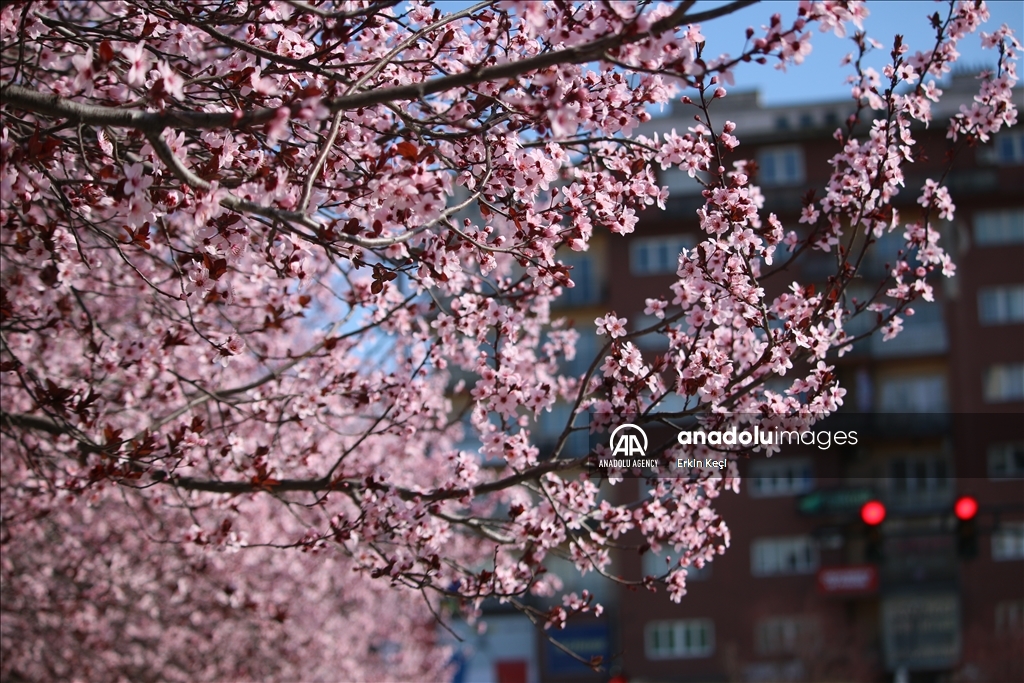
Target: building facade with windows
946, 402
806, 592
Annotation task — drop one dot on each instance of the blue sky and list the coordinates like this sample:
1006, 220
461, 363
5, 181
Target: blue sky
820, 77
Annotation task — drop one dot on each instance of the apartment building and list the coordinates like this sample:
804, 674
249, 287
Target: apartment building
807, 591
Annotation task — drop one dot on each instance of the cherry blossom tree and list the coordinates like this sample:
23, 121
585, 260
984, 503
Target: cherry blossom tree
269, 267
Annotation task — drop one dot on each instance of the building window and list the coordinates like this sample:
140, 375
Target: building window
657, 255
781, 478
660, 563
1001, 226
1008, 542
1006, 460
679, 639
781, 166
780, 556
1004, 382
1010, 616
1010, 147
919, 481
1001, 305
680, 183
784, 635
924, 334
587, 290
912, 394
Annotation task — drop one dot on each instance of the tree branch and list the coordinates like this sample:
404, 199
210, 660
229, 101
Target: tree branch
39, 424
310, 485
20, 97
326, 484
236, 203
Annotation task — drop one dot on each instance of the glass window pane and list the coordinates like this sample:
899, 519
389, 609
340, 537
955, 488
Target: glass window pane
791, 172
662, 259
1006, 148
999, 226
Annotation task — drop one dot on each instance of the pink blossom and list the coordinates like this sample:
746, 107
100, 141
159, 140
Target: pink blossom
173, 83
84, 72
655, 307
136, 181
612, 326
138, 63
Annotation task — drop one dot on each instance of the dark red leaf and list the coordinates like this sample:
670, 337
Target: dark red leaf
407, 150
106, 52
218, 267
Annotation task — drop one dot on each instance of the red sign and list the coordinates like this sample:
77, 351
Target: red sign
511, 670
850, 580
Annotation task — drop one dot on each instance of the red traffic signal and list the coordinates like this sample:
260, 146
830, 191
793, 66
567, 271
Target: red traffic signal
966, 507
872, 512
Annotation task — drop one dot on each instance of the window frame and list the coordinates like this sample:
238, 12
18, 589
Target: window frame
1003, 456
783, 546
654, 564
1001, 304
1004, 383
1009, 616
646, 246
681, 631
774, 169
1008, 542
587, 289
914, 480
772, 635
998, 227
680, 183
800, 477
920, 394
1011, 141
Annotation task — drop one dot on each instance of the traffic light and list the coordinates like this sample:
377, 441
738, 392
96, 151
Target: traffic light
872, 513
966, 509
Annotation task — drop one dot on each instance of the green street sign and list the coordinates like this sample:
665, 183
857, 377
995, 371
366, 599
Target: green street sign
833, 502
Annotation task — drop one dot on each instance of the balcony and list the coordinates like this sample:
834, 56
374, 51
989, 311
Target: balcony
920, 337
924, 334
